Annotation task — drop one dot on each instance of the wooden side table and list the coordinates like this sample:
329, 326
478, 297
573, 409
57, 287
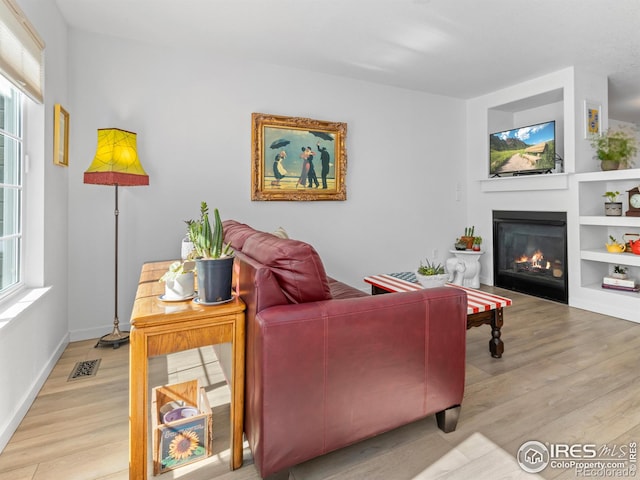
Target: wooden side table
159, 328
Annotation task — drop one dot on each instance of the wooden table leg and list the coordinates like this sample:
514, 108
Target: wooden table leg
237, 393
137, 406
494, 318
496, 346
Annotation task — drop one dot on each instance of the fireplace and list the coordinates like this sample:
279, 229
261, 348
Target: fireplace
530, 253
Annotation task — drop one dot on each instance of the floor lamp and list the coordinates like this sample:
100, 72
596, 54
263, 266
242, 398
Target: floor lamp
116, 163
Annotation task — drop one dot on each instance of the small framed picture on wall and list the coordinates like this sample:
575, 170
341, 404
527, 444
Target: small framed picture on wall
592, 118
60, 136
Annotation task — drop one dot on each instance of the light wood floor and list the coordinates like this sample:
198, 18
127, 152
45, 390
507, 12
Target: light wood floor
567, 376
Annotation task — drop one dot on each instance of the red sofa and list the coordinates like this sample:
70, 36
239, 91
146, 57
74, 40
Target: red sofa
328, 365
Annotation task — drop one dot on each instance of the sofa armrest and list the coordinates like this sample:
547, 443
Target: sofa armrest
326, 374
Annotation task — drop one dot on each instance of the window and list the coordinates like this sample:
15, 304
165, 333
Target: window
10, 186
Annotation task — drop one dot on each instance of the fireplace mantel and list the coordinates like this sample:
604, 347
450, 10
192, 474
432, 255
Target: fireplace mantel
552, 181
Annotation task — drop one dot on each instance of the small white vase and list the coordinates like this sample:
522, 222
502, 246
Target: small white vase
186, 248
181, 287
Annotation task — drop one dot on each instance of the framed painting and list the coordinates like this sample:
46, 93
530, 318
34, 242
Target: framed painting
60, 136
592, 121
297, 158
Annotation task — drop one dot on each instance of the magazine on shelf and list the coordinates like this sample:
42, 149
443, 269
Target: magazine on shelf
623, 282
621, 288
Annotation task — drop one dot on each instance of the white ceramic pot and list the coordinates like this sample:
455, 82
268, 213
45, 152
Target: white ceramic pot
432, 281
181, 287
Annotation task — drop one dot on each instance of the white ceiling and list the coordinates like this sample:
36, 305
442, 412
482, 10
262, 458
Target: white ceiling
458, 48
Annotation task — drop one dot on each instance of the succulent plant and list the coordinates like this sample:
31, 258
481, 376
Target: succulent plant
207, 242
430, 268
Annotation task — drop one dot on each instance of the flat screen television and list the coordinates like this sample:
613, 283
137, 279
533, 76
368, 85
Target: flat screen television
523, 151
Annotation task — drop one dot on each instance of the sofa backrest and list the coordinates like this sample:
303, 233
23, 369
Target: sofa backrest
236, 233
295, 266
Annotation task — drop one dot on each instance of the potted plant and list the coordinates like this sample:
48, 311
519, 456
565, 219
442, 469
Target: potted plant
619, 272
477, 241
615, 148
468, 237
460, 244
214, 261
431, 275
614, 246
179, 281
612, 208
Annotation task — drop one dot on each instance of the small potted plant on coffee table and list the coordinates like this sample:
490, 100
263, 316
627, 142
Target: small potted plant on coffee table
431, 275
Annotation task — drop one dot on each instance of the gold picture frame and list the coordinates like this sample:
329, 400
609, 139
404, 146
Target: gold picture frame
592, 118
60, 136
297, 159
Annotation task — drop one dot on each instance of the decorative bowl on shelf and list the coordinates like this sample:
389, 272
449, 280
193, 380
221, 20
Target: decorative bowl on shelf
432, 281
615, 247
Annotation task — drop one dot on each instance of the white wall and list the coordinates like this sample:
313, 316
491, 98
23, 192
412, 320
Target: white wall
192, 114
31, 343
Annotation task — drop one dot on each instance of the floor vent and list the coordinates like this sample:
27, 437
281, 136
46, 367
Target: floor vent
87, 368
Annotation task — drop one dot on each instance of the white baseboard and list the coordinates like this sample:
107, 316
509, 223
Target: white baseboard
7, 430
97, 332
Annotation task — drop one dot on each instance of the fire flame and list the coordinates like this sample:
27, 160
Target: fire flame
536, 260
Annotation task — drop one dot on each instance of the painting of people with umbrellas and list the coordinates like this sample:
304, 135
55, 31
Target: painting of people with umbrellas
298, 158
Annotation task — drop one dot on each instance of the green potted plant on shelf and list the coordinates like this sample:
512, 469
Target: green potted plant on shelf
468, 237
619, 272
615, 148
612, 208
431, 275
214, 260
460, 244
477, 241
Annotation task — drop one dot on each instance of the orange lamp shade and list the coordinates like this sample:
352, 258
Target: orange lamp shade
116, 161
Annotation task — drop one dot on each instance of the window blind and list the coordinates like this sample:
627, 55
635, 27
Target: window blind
21, 51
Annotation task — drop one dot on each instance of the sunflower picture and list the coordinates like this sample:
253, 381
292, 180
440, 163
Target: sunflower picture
182, 445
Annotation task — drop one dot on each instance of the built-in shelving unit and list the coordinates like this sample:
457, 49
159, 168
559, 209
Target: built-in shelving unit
594, 229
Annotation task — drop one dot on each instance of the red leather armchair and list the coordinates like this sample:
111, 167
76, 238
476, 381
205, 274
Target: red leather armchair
328, 365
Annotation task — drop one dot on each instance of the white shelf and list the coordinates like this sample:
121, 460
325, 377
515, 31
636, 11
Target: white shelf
601, 255
612, 175
610, 221
586, 291
597, 287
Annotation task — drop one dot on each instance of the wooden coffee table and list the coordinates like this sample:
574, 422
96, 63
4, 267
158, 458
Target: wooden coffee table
483, 308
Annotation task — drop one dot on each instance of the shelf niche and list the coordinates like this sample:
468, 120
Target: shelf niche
539, 108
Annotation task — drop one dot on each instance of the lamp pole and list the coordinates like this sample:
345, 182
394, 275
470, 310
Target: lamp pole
116, 337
